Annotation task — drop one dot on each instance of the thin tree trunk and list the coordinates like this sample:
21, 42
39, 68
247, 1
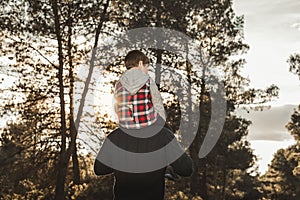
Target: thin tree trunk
195, 147
76, 170
203, 187
158, 67
72, 129
224, 182
159, 50
92, 64
194, 182
62, 163
215, 177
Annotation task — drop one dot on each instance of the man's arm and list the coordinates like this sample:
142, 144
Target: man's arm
101, 169
183, 165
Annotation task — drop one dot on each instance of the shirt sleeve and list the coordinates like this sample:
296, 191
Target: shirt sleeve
157, 100
99, 167
116, 103
183, 165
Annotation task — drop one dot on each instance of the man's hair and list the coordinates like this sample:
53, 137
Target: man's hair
133, 58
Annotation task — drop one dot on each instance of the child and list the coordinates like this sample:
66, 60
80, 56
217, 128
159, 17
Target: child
138, 101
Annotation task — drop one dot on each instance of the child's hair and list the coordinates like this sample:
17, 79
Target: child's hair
133, 58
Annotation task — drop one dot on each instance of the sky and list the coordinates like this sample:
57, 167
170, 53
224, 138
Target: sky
272, 29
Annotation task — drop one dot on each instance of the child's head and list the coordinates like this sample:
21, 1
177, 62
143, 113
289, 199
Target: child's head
136, 58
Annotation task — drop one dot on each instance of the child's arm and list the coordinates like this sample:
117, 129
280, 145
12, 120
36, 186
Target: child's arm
115, 100
157, 100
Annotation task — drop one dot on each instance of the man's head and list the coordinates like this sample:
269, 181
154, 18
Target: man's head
137, 59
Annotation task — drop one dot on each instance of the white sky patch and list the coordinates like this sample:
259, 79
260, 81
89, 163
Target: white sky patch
265, 151
270, 123
296, 26
271, 30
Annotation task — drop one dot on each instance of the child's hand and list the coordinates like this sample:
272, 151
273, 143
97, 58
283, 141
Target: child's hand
170, 174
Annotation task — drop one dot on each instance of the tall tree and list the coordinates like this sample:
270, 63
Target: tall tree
294, 62
280, 182
294, 125
35, 27
220, 33
29, 144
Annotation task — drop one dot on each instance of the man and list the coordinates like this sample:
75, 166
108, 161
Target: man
148, 185
141, 148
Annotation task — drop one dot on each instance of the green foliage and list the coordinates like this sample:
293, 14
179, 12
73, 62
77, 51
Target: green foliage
35, 36
179, 190
294, 125
94, 188
28, 160
280, 181
231, 164
242, 185
294, 62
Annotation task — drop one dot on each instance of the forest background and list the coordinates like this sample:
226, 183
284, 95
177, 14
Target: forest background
46, 45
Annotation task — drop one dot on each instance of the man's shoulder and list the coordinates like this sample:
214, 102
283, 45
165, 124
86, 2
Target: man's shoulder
165, 133
114, 133
168, 133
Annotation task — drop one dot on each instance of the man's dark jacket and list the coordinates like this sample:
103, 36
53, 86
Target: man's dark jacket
147, 185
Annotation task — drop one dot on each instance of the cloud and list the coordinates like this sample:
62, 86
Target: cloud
271, 136
269, 16
272, 31
296, 26
269, 124
258, 7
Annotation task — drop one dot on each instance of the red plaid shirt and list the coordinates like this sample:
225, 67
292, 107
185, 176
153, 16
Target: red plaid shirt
135, 111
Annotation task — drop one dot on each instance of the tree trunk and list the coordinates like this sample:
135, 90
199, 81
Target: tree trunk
195, 175
195, 148
72, 128
76, 170
215, 178
92, 64
158, 67
159, 50
62, 163
224, 182
203, 188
